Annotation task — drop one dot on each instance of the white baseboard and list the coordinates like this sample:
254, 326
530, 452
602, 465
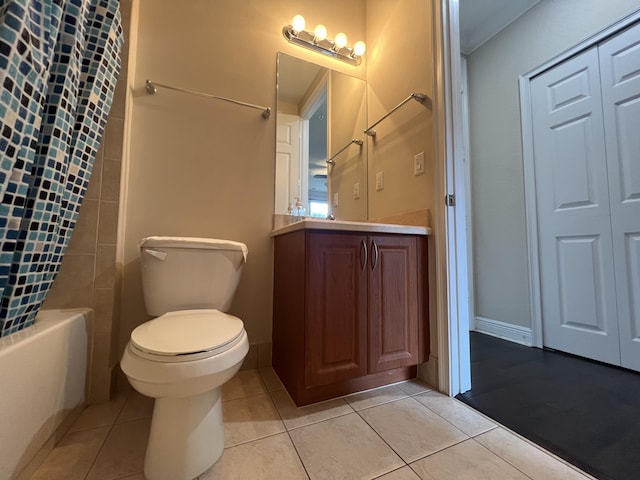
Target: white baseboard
506, 331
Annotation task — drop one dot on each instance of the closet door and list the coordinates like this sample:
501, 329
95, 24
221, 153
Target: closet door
620, 75
579, 313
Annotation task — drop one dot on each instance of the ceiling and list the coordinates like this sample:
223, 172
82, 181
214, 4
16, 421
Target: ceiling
482, 19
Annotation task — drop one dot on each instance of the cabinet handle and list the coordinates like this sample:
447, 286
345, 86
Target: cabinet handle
363, 254
375, 255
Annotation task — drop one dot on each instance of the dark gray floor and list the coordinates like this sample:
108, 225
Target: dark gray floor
583, 411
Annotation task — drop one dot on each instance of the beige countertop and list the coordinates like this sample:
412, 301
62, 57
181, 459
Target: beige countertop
342, 225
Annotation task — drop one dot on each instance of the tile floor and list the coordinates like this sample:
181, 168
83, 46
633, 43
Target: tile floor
400, 432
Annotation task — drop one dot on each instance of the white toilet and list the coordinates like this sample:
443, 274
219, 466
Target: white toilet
182, 357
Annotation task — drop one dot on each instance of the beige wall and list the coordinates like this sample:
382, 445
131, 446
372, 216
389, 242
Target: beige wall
399, 62
347, 115
500, 245
206, 168
203, 168
87, 275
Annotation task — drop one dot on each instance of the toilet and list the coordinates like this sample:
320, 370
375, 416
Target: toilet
184, 355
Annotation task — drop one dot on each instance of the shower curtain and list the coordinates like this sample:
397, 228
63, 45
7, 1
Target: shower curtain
59, 62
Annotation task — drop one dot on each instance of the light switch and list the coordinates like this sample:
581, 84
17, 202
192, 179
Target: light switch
335, 199
418, 164
379, 181
356, 190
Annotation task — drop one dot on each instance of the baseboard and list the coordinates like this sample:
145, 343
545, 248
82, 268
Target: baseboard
506, 331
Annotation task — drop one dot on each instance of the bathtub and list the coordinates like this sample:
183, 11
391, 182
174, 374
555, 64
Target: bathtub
43, 378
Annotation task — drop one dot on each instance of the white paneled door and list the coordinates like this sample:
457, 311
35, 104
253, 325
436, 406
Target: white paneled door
620, 78
586, 129
287, 161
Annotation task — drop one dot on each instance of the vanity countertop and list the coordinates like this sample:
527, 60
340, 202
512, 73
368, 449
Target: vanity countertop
343, 225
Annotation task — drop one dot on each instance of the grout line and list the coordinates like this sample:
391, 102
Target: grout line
298, 454
499, 425
429, 454
317, 422
286, 430
106, 438
381, 437
392, 471
244, 396
403, 397
501, 458
454, 425
414, 470
540, 449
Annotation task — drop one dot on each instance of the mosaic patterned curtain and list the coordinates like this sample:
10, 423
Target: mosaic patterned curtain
59, 62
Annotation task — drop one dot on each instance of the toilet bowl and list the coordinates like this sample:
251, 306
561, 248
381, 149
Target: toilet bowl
182, 357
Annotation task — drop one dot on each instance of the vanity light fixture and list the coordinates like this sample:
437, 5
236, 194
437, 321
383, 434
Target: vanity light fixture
318, 41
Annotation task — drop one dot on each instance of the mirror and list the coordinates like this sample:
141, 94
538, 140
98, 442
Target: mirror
321, 150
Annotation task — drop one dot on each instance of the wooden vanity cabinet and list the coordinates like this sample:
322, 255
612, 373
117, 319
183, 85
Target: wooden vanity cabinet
350, 311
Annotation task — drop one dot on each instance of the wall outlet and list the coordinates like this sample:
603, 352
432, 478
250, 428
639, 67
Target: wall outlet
379, 181
356, 190
335, 199
418, 164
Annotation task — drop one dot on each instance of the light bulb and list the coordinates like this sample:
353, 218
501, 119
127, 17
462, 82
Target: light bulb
359, 48
341, 40
298, 23
320, 33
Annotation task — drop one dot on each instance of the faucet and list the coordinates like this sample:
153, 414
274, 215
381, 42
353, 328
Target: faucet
330, 217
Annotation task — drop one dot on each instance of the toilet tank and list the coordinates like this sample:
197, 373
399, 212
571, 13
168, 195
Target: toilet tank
182, 273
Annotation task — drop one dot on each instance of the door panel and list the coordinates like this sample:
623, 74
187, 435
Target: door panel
393, 302
572, 165
580, 283
620, 76
572, 198
336, 327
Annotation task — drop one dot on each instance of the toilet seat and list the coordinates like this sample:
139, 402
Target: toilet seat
186, 335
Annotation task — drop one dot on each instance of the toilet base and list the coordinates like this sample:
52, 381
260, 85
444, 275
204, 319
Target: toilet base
186, 438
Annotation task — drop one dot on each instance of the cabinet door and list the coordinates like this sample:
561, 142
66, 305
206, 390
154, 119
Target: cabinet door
336, 327
393, 302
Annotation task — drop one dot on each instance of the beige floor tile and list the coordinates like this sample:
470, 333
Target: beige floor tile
123, 452
250, 418
466, 461
270, 379
265, 459
371, 398
135, 476
136, 407
295, 417
101, 414
404, 473
72, 458
343, 448
414, 387
465, 418
244, 384
411, 429
528, 458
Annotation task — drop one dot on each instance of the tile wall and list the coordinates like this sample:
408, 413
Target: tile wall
87, 276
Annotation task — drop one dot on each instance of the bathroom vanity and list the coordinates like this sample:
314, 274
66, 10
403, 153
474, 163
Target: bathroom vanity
350, 306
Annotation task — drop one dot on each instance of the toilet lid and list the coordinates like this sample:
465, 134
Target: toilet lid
188, 332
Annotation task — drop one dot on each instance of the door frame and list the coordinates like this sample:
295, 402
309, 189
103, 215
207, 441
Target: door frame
315, 96
452, 246
531, 217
